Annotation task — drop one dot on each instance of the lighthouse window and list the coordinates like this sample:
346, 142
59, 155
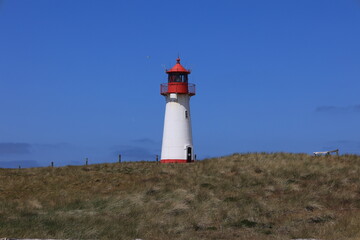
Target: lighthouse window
186, 114
174, 78
178, 78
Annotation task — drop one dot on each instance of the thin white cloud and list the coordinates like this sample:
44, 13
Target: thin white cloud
338, 109
14, 148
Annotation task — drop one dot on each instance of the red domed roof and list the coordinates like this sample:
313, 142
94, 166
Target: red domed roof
178, 68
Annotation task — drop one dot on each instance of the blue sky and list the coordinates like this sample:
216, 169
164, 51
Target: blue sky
81, 78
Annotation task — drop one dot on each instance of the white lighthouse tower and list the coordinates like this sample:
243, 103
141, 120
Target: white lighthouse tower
177, 145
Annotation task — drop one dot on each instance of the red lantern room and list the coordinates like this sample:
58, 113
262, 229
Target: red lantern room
177, 81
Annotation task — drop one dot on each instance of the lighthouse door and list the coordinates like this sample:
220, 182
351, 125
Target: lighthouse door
188, 154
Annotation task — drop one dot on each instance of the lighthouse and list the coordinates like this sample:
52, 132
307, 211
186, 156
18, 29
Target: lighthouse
177, 145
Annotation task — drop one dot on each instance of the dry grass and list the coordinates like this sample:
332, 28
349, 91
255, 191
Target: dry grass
242, 196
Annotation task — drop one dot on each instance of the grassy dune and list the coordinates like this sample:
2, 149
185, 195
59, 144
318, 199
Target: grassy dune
242, 196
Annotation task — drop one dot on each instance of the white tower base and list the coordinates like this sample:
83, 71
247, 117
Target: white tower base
177, 143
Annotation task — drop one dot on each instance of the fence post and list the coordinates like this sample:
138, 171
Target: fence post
157, 158
119, 158
87, 161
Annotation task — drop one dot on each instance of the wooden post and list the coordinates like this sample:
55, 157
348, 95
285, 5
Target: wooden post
157, 158
119, 158
52, 164
195, 157
87, 161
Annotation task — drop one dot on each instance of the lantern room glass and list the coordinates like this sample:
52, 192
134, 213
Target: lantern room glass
177, 77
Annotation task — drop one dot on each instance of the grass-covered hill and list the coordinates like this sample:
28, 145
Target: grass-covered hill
242, 196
